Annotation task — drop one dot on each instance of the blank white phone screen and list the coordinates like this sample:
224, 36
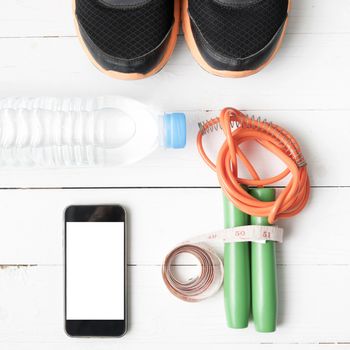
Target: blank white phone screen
95, 270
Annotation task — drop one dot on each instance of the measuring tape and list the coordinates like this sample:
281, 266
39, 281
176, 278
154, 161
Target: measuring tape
211, 276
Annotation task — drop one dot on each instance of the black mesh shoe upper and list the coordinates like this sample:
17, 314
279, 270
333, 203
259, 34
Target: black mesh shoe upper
236, 28
124, 32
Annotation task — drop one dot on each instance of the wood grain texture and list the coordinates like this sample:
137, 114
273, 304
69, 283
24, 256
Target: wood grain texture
23, 18
58, 66
172, 195
32, 224
31, 303
323, 142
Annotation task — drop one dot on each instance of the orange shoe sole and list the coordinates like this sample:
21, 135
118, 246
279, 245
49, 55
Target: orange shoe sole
186, 27
135, 76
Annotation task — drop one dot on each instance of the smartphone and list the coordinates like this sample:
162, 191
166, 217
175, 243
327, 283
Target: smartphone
95, 271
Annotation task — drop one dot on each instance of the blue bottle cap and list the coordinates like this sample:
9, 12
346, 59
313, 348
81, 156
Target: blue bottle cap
174, 130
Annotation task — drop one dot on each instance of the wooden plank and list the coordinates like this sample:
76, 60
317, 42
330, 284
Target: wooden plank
22, 18
322, 141
298, 79
313, 300
32, 224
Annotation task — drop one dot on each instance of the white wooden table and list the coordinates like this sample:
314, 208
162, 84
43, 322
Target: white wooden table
172, 195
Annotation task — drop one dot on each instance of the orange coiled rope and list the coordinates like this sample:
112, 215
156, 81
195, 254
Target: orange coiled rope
292, 199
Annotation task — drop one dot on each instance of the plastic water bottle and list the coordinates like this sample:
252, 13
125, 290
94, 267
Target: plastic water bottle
53, 132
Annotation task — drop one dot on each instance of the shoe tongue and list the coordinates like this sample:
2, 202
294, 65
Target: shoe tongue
238, 3
123, 3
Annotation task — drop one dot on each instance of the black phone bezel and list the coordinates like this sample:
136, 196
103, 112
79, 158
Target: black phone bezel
95, 328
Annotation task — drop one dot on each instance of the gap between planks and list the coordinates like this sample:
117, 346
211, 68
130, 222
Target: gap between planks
28, 266
151, 188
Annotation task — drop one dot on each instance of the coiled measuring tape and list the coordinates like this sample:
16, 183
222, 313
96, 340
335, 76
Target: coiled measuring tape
211, 275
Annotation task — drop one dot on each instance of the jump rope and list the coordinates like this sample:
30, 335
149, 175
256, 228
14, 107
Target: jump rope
250, 210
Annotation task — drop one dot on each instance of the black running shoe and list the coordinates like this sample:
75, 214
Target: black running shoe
128, 39
234, 38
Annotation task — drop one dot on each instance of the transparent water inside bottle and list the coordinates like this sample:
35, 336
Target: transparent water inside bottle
76, 132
